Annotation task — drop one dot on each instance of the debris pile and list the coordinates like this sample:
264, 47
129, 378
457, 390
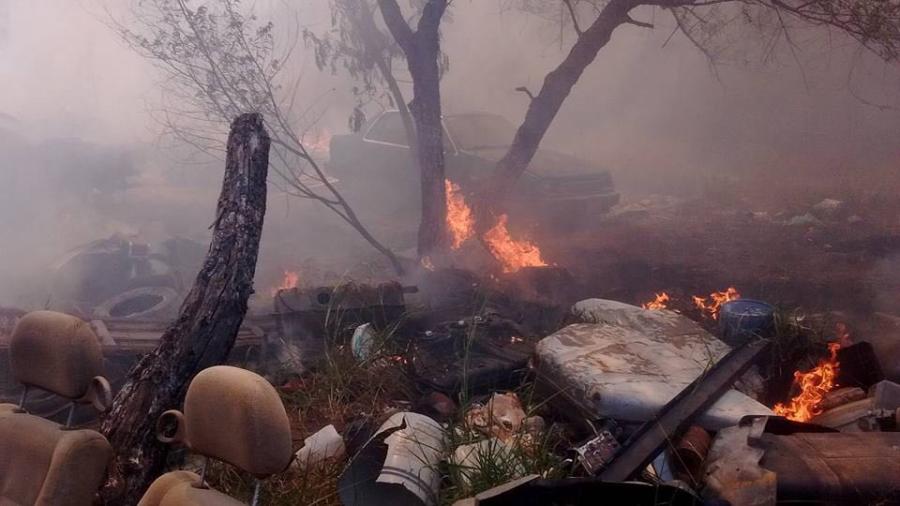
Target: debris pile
412, 395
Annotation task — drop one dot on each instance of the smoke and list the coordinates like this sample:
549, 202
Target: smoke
650, 109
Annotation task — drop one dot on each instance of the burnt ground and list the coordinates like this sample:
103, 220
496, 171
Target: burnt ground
844, 259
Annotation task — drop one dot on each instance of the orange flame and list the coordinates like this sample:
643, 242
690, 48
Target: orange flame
290, 280
512, 255
460, 220
317, 142
710, 306
660, 302
427, 263
813, 387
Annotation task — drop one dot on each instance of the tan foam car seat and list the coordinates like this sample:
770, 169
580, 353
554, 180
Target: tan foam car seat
41, 462
232, 415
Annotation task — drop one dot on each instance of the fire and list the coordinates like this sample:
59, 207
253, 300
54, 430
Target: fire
317, 141
427, 263
512, 255
460, 220
660, 302
710, 306
290, 280
813, 387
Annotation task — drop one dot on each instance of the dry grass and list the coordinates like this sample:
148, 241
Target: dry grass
340, 390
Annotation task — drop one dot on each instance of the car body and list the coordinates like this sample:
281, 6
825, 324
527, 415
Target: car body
555, 184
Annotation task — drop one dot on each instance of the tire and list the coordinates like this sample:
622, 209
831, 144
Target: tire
144, 303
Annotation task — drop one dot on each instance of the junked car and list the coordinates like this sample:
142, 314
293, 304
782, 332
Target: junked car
376, 163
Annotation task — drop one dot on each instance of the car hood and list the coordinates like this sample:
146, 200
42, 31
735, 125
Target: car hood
546, 162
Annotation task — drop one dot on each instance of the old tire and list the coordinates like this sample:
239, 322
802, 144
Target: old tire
144, 303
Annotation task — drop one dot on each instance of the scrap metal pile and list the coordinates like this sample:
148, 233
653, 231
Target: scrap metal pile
601, 401
635, 406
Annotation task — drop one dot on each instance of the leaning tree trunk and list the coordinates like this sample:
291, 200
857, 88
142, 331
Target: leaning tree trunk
204, 332
544, 107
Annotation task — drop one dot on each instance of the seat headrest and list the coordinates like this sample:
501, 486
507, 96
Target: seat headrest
236, 416
58, 353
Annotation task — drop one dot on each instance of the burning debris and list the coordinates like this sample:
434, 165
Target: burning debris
460, 220
814, 385
512, 254
710, 306
660, 301
291, 279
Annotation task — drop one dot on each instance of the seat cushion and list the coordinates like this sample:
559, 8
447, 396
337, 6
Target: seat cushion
179, 488
47, 465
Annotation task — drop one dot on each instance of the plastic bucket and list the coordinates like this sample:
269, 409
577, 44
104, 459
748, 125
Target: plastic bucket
742, 319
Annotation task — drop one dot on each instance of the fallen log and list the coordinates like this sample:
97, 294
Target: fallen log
208, 323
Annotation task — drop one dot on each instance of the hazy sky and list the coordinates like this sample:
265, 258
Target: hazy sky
64, 72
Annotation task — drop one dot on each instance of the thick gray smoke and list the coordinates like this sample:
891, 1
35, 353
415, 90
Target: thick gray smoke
83, 157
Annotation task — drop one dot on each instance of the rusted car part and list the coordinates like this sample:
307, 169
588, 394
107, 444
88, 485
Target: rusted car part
307, 315
398, 466
97, 274
689, 454
534, 491
642, 446
43, 462
630, 362
765, 460
232, 415
875, 412
470, 354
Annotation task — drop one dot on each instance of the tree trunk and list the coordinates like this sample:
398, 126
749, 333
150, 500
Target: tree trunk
544, 107
422, 50
205, 330
426, 111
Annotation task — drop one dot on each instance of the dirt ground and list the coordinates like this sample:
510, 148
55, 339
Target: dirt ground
843, 256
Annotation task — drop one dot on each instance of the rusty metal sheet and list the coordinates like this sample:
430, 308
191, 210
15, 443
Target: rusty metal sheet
803, 463
629, 362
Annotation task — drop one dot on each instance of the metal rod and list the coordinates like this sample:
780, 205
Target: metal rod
22, 399
203, 472
71, 414
674, 417
256, 488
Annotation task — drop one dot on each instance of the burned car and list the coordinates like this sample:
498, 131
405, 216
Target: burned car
374, 166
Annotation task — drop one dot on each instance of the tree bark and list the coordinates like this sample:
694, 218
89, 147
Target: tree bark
544, 107
207, 325
422, 50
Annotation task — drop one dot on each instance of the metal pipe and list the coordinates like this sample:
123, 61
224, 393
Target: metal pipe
71, 414
256, 488
22, 399
203, 472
